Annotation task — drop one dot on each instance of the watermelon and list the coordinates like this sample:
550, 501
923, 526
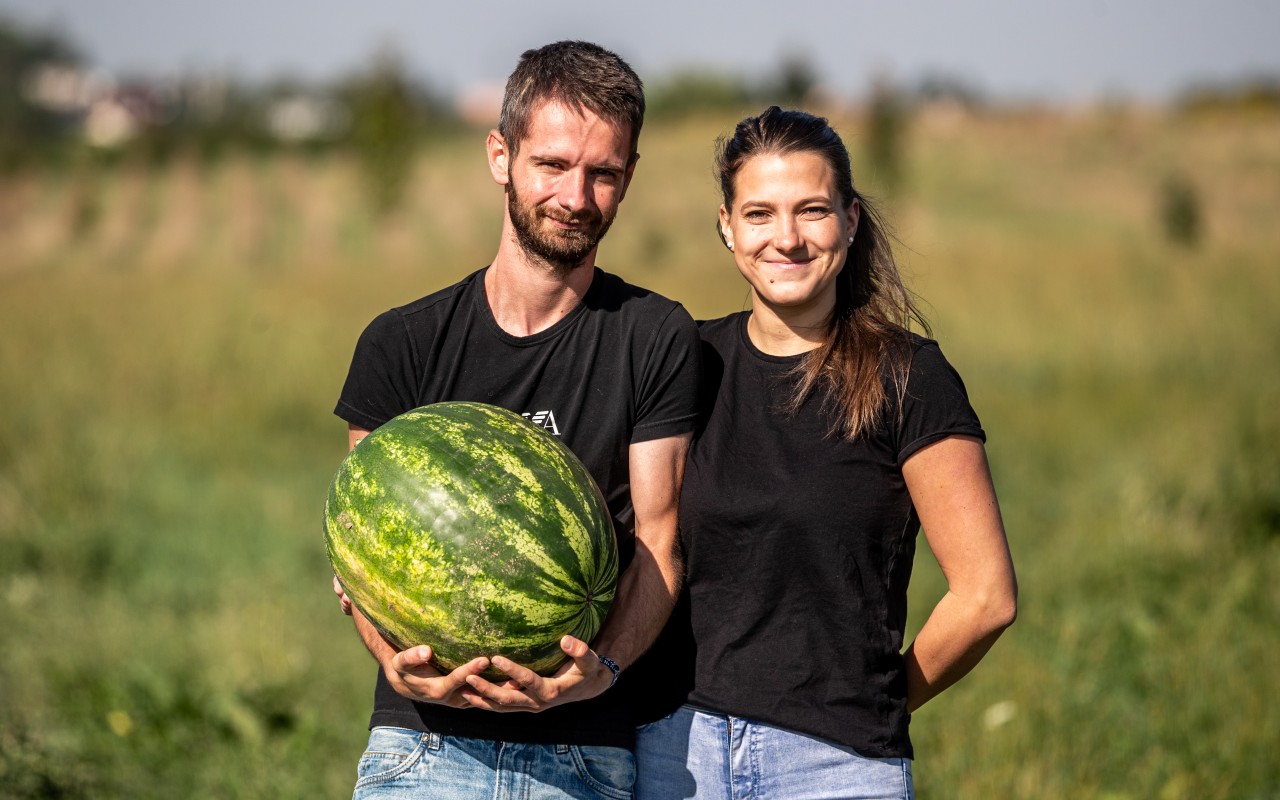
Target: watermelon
465, 527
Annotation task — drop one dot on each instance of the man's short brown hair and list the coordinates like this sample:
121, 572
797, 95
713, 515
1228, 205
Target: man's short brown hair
579, 75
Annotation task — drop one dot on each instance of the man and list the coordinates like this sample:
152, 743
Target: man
608, 367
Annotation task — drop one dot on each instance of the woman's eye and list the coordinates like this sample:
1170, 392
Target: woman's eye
815, 212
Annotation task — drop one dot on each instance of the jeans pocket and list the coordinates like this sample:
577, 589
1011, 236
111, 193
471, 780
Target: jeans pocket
610, 771
391, 752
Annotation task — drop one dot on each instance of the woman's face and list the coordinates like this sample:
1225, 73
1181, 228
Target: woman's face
789, 231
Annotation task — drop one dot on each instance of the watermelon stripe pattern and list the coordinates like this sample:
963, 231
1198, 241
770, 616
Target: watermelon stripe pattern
465, 527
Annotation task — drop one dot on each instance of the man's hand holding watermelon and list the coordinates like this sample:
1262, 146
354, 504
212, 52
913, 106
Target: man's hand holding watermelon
644, 591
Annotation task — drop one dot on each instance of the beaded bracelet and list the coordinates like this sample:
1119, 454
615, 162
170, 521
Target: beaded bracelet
613, 667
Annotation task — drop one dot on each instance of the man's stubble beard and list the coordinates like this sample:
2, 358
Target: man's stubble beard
560, 249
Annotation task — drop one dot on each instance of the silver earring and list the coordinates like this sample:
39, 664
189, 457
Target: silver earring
850, 240
729, 245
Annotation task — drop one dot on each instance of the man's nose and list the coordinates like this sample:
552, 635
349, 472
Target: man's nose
571, 193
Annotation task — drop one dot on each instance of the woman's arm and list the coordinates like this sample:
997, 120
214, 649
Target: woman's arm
950, 484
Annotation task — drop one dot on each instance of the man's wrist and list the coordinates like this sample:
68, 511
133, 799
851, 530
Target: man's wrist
613, 667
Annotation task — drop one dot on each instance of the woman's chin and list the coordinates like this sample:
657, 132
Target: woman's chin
795, 298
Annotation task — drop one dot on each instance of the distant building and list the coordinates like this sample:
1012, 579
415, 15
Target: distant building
298, 118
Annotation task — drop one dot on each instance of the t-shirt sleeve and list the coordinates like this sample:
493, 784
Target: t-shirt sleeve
667, 403
381, 382
936, 404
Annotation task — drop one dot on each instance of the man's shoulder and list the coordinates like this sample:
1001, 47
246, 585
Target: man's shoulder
608, 287
447, 297
611, 293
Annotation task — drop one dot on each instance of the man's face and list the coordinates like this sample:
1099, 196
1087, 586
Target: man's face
565, 183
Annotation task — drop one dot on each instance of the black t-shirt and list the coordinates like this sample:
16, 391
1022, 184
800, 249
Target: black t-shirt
798, 548
620, 368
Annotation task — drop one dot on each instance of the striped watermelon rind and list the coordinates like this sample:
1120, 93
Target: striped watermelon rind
467, 528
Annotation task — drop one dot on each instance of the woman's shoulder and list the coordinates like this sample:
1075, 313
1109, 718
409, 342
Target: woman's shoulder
914, 342
921, 368
728, 322
924, 353
722, 330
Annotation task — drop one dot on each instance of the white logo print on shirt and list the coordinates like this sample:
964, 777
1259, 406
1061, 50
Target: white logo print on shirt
543, 419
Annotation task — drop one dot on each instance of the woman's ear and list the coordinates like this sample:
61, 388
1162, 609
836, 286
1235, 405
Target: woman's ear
723, 228
852, 214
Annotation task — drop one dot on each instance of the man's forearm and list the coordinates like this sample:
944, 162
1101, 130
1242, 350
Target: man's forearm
647, 592
373, 641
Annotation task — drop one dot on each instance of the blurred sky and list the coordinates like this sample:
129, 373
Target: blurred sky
1145, 49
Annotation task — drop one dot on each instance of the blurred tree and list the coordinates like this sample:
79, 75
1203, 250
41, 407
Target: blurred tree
219, 114
689, 92
692, 91
156, 110
1181, 216
887, 117
385, 128
1254, 94
85, 207
791, 86
939, 87
29, 129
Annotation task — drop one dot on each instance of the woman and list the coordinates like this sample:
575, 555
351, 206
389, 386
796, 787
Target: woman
829, 436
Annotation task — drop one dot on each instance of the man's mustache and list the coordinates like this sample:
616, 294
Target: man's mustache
583, 218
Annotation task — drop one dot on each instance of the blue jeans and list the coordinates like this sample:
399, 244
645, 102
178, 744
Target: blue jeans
400, 763
709, 756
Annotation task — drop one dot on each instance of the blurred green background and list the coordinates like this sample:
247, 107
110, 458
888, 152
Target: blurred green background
179, 311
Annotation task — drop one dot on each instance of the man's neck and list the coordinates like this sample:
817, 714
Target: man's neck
527, 296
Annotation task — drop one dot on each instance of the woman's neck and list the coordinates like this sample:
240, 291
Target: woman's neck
786, 331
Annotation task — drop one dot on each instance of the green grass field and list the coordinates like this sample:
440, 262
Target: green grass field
174, 341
